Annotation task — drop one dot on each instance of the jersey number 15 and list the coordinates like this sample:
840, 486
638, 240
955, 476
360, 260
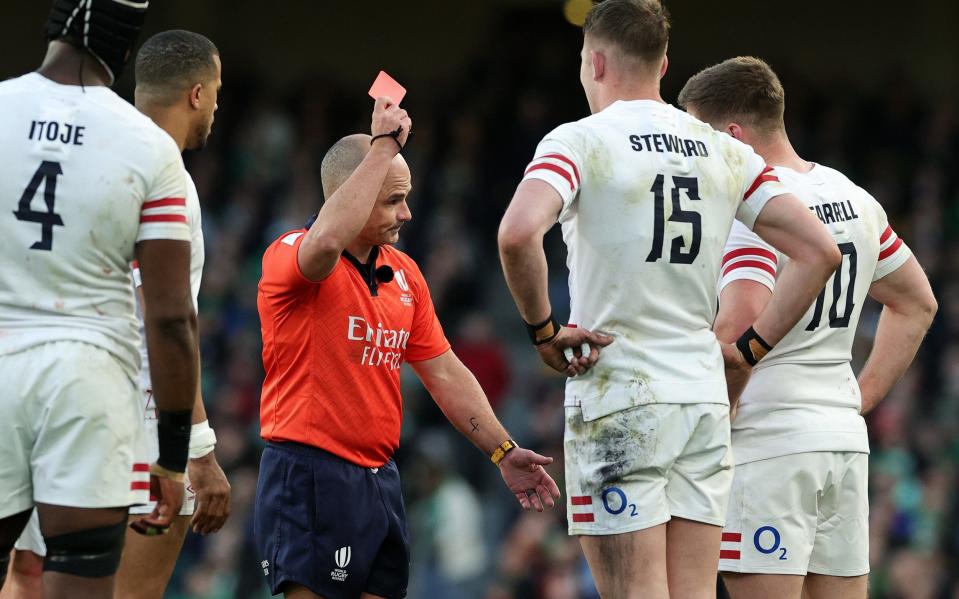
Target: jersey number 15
677, 255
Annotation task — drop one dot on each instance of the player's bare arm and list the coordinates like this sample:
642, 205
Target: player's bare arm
908, 309
788, 225
460, 397
740, 303
172, 344
208, 479
532, 212
346, 211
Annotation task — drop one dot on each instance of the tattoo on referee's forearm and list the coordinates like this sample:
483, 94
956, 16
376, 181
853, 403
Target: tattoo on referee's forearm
475, 426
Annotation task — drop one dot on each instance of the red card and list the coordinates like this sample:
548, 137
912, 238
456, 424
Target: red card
387, 86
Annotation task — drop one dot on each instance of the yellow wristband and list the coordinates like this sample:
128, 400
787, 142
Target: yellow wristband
500, 452
158, 470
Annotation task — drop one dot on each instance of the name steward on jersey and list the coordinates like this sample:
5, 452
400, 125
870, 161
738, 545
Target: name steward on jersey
384, 347
662, 142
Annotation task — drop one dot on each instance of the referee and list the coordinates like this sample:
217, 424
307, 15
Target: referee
340, 311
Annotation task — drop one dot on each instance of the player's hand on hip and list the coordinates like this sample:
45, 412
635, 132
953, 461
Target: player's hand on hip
526, 478
168, 492
738, 372
573, 350
212, 494
389, 118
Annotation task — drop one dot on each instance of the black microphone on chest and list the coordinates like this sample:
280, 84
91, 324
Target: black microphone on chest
383, 274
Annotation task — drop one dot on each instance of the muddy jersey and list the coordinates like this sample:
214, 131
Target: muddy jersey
85, 176
803, 396
649, 195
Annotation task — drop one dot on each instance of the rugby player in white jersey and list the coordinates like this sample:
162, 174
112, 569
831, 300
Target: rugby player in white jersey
799, 507
99, 184
177, 82
646, 196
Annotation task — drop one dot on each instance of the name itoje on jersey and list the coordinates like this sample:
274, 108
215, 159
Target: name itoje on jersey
66, 133
359, 330
664, 142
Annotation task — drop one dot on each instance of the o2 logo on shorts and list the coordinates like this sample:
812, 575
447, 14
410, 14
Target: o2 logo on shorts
615, 502
769, 543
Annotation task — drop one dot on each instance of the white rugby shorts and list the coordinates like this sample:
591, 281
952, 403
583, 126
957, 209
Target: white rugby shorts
71, 429
799, 513
31, 539
640, 467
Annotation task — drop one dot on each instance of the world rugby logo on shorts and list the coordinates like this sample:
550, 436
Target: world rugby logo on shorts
342, 558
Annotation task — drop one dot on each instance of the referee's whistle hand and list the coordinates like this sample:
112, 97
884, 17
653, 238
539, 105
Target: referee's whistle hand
524, 475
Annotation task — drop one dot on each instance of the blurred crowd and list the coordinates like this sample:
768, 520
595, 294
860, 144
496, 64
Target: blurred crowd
474, 134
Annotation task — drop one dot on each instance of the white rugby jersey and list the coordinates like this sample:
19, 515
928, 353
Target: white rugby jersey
803, 396
85, 176
649, 195
197, 258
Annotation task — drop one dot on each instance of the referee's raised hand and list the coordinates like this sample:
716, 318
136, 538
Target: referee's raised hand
390, 121
523, 472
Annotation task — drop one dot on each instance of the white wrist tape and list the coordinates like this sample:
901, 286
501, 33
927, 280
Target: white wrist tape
202, 439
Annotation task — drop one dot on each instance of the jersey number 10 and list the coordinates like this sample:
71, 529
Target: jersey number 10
676, 253
835, 320
47, 174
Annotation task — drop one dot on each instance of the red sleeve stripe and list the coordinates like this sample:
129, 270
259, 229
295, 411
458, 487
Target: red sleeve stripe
139, 485
140, 467
163, 218
889, 251
562, 158
732, 537
556, 169
885, 234
581, 500
728, 554
759, 252
750, 264
764, 177
181, 202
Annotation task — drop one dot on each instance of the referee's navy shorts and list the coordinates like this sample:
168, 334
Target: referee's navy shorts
333, 527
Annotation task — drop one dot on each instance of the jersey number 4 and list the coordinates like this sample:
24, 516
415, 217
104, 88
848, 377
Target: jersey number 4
46, 174
835, 320
677, 255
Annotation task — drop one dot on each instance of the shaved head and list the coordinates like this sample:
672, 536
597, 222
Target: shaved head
341, 160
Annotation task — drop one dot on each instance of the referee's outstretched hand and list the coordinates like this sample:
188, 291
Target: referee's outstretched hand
525, 476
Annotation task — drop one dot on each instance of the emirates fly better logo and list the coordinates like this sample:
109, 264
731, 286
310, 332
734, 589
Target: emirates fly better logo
342, 558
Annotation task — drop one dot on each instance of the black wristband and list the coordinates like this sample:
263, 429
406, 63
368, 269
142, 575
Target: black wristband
395, 134
753, 347
173, 432
543, 332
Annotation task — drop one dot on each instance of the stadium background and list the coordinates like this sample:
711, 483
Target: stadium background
871, 90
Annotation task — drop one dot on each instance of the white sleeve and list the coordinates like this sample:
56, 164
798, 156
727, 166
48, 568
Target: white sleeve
760, 185
557, 162
163, 214
748, 257
893, 253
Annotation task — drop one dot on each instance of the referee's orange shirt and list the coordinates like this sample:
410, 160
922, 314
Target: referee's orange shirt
332, 351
